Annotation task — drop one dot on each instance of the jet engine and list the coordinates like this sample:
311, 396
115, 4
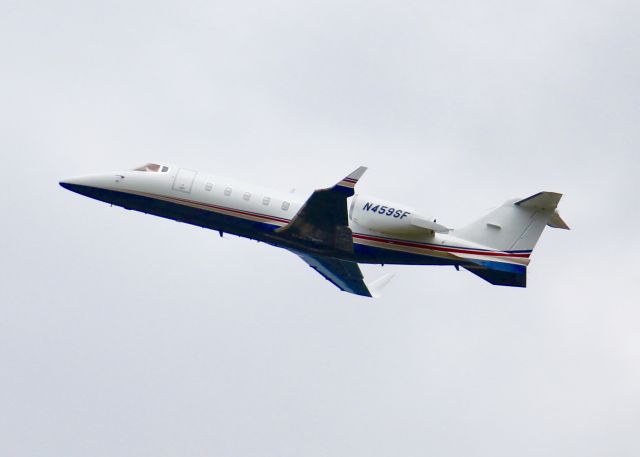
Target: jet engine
391, 218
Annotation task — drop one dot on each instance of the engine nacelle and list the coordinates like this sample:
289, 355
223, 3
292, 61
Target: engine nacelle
391, 218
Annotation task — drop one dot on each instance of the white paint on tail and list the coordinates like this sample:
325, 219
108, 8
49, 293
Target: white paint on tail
517, 224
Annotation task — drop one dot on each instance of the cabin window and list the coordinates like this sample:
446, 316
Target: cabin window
227, 191
208, 186
246, 196
285, 206
266, 200
165, 169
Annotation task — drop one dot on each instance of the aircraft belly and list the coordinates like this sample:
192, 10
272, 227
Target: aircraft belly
379, 255
167, 207
377, 249
366, 248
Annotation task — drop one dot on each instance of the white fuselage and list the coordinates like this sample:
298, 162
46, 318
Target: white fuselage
248, 210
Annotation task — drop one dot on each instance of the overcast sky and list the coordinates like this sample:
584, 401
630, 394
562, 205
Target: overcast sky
126, 335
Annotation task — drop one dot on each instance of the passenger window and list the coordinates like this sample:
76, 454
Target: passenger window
285, 205
246, 196
266, 200
227, 191
208, 186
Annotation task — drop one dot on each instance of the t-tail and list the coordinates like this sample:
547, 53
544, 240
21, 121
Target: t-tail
512, 230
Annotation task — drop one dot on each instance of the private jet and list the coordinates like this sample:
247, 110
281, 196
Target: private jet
334, 229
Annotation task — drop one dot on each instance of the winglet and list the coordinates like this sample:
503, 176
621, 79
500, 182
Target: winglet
347, 184
375, 287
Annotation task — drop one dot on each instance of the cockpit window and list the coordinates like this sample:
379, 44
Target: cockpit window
152, 167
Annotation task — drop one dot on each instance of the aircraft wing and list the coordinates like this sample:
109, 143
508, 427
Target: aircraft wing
344, 275
323, 221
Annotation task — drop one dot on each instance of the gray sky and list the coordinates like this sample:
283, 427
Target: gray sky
124, 335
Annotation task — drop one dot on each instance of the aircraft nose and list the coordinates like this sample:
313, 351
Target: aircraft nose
88, 185
67, 184
76, 184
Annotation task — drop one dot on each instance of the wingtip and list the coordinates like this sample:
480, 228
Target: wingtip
349, 182
355, 175
375, 287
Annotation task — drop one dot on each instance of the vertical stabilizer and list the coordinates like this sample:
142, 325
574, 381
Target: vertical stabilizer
516, 225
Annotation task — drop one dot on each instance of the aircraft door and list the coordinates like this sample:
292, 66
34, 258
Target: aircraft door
184, 180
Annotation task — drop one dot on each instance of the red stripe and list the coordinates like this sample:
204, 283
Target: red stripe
394, 241
237, 211
432, 247
231, 210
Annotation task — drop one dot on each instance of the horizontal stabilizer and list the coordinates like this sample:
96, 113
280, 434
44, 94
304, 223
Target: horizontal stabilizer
557, 222
541, 200
546, 201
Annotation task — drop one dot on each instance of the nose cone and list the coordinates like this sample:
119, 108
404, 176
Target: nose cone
91, 186
81, 184
69, 185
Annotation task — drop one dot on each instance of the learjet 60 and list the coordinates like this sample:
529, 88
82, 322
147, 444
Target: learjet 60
333, 230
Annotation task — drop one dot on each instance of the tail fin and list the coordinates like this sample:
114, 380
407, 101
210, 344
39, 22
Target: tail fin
516, 225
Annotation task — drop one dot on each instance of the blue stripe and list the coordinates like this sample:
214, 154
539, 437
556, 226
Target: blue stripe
501, 266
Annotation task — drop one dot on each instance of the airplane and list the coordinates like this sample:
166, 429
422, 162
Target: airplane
326, 231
